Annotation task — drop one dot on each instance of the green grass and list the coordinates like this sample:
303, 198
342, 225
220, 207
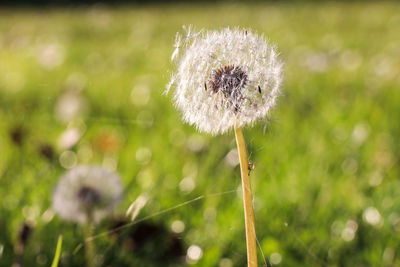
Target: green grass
58, 252
329, 152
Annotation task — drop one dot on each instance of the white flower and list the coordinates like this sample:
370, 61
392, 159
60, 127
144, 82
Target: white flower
87, 193
224, 78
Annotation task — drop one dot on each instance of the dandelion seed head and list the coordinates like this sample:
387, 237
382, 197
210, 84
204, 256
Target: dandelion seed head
224, 78
87, 193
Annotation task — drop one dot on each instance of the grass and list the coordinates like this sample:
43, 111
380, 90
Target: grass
326, 175
58, 252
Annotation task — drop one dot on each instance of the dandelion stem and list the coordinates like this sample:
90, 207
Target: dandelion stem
89, 247
247, 200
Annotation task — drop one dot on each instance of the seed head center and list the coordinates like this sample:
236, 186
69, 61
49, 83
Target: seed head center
229, 80
89, 196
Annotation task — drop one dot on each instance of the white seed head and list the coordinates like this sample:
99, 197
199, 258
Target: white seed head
87, 193
224, 78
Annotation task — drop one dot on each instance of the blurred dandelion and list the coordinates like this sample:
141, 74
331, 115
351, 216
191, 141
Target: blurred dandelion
86, 194
227, 79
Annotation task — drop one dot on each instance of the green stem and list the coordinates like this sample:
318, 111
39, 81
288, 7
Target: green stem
89, 246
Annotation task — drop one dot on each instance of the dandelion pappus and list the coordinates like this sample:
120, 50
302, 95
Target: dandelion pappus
242, 84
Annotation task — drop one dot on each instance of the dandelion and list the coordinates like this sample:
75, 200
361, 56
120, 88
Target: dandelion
226, 80
86, 194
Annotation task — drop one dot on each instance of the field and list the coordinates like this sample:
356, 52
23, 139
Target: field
85, 86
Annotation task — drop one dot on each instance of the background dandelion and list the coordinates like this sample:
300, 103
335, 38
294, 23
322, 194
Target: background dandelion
87, 193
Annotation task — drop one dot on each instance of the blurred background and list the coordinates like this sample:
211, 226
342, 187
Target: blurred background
83, 84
